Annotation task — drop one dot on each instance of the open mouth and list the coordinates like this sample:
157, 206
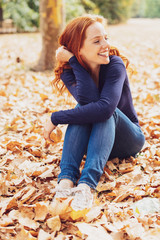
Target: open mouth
104, 54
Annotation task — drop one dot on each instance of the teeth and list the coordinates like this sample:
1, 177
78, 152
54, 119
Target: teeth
104, 54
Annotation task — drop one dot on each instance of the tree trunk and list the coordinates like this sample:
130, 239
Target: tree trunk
51, 24
1, 16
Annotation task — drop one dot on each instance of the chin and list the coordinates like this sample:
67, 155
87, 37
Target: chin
106, 61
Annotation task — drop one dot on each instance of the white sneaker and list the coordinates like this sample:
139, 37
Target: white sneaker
83, 198
62, 192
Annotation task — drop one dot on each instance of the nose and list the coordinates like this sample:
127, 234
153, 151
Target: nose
105, 43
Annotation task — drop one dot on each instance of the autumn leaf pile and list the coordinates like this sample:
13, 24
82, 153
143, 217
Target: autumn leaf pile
127, 202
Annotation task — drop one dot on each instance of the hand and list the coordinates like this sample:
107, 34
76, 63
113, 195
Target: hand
48, 128
63, 55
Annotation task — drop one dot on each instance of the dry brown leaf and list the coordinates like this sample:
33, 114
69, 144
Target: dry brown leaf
8, 204
32, 168
123, 195
48, 173
54, 223
41, 211
56, 137
93, 213
93, 232
7, 230
126, 167
28, 195
24, 235
60, 207
135, 229
42, 235
6, 221
27, 211
27, 222
14, 146
106, 186
111, 166
35, 151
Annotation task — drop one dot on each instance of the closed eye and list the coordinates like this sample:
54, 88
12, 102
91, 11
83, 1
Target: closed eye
97, 41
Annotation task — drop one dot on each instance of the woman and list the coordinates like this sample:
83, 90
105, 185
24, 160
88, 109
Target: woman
104, 124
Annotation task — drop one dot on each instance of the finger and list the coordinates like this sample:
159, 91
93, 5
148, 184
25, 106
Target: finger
46, 135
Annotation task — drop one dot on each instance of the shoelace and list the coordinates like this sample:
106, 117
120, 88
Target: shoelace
83, 198
63, 193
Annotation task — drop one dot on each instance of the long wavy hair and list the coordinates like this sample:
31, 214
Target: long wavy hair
72, 38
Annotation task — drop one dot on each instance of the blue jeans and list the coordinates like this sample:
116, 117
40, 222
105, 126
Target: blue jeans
115, 137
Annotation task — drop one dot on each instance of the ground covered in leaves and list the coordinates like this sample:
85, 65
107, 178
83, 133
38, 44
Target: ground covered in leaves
127, 199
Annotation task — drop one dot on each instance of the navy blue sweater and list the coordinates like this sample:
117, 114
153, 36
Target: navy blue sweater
96, 103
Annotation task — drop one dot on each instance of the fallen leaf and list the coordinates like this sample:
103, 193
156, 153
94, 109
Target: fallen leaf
41, 211
54, 223
42, 235
93, 232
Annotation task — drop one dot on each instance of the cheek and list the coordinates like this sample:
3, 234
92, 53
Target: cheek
89, 52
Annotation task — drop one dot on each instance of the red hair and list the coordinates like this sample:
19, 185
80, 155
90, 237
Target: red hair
73, 38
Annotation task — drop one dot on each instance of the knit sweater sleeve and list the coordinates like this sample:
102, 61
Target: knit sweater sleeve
79, 83
114, 75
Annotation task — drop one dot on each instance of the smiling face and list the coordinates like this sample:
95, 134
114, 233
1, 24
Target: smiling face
95, 49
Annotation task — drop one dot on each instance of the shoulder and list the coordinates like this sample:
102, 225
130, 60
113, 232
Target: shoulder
116, 60
116, 63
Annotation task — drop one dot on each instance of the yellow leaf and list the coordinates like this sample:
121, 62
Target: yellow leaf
34, 78
137, 210
75, 215
43, 96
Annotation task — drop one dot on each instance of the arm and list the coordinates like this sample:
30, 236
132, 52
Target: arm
79, 83
114, 74
77, 80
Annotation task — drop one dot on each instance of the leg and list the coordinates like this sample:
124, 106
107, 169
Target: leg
99, 148
129, 138
75, 145
116, 137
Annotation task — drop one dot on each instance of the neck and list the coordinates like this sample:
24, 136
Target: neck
94, 69
95, 74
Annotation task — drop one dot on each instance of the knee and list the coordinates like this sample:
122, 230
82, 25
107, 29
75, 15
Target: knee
139, 144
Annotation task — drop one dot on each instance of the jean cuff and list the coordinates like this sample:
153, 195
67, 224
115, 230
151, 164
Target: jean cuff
89, 184
67, 177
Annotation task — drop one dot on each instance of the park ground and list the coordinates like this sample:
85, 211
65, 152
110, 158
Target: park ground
127, 198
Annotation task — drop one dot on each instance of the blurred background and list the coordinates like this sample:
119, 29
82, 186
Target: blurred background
23, 15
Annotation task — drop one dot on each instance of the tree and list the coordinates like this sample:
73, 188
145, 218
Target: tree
75, 8
1, 14
152, 8
25, 15
51, 24
115, 11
